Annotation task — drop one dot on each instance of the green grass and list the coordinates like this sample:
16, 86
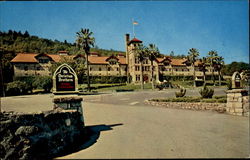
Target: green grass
189, 83
215, 99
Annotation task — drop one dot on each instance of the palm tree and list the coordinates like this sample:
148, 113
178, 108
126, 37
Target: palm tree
212, 56
85, 40
153, 53
202, 67
140, 54
193, 54
218, 67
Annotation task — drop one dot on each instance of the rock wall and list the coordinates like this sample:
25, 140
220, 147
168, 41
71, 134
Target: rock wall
238, 102
41, 135
219, 107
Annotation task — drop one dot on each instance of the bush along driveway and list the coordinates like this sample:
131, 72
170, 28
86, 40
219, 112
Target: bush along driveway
191, 103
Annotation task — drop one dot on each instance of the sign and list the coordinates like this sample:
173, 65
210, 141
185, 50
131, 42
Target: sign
236, 80
65, 79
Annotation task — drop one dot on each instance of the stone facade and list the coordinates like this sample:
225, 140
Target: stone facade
107, 70
27, 64
161, 66
238, 102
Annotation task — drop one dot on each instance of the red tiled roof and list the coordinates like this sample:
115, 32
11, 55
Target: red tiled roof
31, 57
104, 60
173, 61
25, 58
55, 57
62, 51
178, 62
134, 40
94, 53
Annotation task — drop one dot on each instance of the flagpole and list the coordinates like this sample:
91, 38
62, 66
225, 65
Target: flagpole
133, 27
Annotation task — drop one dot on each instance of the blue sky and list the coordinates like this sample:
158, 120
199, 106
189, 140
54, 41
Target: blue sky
171, 25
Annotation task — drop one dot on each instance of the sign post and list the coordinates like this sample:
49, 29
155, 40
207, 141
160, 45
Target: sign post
65, 89
236, 81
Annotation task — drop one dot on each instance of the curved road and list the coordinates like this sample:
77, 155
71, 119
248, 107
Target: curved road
143, 131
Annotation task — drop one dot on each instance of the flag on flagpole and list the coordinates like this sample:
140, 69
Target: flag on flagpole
135, 23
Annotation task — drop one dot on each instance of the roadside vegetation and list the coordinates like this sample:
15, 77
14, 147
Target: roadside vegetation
214, 99
116, 87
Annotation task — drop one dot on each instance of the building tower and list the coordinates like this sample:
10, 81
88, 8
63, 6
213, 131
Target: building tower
132, 64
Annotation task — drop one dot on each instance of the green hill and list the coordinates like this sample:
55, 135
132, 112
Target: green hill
16, 42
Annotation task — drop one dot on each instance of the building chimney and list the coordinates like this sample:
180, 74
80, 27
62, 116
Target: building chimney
127, 54
63, 53
127, 38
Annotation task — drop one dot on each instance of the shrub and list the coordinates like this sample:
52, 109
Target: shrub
17, 88
28, 80
163, 85
181, 93
106, 79
43, 82
206, 92
222, 100
229, 84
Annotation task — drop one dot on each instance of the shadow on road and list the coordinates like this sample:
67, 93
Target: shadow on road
89, 137
95, 133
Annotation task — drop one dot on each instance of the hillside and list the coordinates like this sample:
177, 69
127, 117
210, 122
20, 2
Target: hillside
16, 42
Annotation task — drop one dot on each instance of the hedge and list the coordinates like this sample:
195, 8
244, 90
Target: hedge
106, 79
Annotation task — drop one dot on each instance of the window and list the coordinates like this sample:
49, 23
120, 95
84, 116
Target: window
137, 61
147, 68
100, 69
109, 68
26, 68
90, 69
137, 78
137, 68
117, 69
43, 60
112, 62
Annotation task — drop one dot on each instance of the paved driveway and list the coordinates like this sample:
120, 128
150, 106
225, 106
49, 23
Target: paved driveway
139, 131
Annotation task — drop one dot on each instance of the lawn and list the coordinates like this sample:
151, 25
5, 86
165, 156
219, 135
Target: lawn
189, 83
114, 87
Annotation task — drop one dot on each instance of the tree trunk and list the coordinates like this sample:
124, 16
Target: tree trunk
219, 78
194, 75
204, 77
88, 81
213, 75
152, 75
142, 83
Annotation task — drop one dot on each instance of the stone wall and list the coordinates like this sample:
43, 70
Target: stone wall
238, 102
40, 135
219, 107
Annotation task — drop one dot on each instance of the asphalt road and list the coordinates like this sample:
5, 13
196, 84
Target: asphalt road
140, 131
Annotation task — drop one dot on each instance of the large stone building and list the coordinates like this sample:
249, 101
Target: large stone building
26, 64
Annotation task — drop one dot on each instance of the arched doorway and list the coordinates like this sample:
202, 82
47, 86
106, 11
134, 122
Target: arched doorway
145, 78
